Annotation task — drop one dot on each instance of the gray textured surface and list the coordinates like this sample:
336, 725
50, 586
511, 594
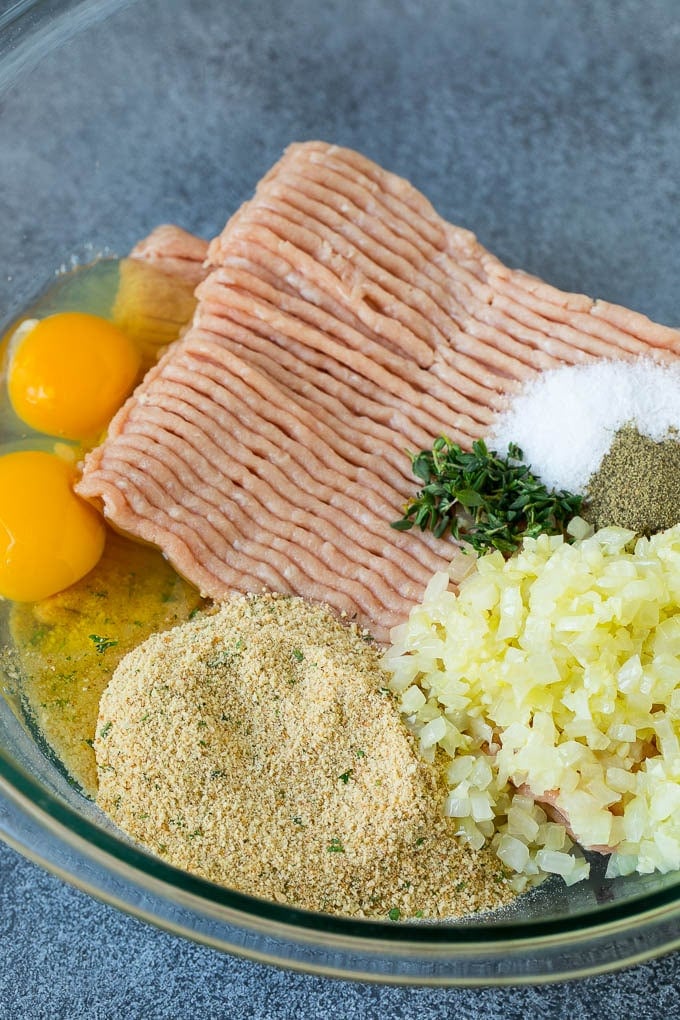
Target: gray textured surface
64, 956
551, 129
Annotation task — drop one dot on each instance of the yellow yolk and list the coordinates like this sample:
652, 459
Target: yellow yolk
49, 537
70, 373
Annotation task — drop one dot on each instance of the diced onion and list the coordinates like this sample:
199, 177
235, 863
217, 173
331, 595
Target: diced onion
555, 673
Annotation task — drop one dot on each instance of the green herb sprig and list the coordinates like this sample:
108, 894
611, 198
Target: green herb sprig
483, 499
102, 643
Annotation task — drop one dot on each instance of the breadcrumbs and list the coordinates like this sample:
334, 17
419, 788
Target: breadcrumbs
259, 747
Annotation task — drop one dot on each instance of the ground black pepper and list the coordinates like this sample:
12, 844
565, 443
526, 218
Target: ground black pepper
637, 484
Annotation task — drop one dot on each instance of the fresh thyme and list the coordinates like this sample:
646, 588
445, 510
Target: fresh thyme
488, 501
102, 643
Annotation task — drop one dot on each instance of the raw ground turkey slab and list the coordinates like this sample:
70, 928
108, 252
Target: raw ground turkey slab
340, 321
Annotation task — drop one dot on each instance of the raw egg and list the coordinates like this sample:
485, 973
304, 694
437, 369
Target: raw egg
69, 373
49, 537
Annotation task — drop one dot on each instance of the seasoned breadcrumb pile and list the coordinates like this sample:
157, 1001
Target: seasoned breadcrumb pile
258, 746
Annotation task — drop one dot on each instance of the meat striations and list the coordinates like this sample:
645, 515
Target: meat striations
340, 321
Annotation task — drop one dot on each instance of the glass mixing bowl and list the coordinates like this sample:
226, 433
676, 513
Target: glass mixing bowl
118, 116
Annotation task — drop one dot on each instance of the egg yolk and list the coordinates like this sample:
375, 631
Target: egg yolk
49, 537
70, 373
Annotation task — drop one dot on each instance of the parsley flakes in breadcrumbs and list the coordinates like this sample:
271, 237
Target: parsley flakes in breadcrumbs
258, 746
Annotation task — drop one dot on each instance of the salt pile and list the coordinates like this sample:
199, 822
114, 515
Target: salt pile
564, 421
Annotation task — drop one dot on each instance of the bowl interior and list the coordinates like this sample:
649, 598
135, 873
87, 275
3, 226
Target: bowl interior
119, 116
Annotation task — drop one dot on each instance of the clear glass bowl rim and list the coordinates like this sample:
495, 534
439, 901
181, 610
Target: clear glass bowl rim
129, 861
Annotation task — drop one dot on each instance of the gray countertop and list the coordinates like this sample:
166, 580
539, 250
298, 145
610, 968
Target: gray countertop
551, 129
63, 955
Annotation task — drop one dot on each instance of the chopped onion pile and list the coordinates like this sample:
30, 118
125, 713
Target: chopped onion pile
555, 676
